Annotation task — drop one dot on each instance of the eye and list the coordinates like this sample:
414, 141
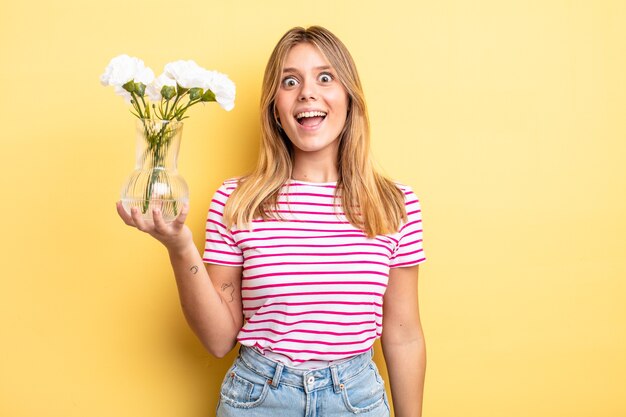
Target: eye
325, 77
290, 82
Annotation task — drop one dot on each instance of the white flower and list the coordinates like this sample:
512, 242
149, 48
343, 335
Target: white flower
187, 74
221, 86
154, 89
128, 75
123, 69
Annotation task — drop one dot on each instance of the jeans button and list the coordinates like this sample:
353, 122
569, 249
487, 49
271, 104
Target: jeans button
311, 380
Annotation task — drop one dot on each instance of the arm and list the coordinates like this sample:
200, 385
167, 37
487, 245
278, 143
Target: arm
403, 342
210, 297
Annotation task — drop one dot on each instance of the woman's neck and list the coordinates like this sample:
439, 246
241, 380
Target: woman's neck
311, 169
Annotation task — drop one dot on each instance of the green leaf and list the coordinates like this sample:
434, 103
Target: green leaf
181, 90
129, 86
195, 93
208, 96
140, 89
168, 92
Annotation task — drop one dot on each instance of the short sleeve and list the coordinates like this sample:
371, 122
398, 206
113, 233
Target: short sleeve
220, 246
409, 250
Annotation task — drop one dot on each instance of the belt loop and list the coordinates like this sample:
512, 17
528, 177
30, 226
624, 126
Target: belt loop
336, 382
277, 373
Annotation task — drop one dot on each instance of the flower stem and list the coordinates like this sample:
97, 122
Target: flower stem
136, 105
178, 97
167, 106
147, 108
182, 110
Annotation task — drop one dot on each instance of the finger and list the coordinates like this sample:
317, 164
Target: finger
140, 223
159, 224
124, 214
179, 221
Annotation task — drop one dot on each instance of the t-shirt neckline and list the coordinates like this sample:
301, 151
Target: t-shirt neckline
321, 184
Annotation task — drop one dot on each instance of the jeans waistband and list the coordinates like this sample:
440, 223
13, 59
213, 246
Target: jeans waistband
310, 379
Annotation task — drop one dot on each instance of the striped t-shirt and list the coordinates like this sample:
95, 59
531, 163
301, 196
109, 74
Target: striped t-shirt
312, 284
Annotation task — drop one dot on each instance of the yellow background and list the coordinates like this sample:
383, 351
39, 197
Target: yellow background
506, 117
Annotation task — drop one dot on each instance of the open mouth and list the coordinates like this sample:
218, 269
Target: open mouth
310, 118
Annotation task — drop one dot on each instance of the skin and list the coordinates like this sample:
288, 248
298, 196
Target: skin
310, 83
403, 342
211, 297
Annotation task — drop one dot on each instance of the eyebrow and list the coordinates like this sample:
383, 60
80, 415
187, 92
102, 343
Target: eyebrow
323, 67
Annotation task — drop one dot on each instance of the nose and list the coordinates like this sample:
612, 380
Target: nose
308, 91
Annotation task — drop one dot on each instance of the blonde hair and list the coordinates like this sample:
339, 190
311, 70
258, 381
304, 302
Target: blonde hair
371, 202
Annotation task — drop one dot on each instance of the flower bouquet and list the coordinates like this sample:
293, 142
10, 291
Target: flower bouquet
161, 104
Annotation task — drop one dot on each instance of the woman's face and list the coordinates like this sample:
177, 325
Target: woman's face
311, 103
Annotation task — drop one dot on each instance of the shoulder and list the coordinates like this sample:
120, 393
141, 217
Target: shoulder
224, 191
409, 194
228, 186
401, 186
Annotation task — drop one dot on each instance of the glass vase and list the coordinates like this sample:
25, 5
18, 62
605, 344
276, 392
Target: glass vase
155, 182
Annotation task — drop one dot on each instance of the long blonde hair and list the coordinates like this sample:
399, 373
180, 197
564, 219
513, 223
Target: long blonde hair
371, 202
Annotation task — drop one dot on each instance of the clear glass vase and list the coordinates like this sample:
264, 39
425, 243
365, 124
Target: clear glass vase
155, 182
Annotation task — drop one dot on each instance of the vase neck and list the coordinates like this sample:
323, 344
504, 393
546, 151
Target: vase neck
158, 143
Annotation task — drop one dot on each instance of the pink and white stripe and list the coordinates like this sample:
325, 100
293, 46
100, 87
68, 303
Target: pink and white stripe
312, 284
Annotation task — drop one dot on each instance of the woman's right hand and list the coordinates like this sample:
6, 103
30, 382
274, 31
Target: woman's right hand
175, 235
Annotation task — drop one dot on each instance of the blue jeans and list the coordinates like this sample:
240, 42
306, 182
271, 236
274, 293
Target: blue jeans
257, 386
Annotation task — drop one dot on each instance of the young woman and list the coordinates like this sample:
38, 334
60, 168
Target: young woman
306, 255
